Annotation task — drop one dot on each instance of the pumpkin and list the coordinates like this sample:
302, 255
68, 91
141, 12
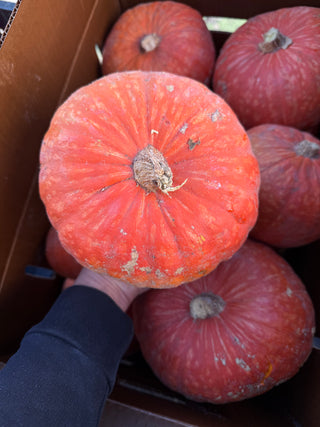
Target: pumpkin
231, 335
268, 70
148, 177
289, 198
68, 282
58, 258
160, 36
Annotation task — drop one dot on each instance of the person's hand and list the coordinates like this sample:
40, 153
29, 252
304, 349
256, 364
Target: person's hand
121, 292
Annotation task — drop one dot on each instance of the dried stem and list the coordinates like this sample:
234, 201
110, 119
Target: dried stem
149, 42
273, 40
206, 305
152, 171
308, 149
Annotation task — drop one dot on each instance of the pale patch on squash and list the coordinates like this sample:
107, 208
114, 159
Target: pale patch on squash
217, 115
170, 88
146, 269
239, 343
159, 274
131, 265
179, 271
214, 184
242, 364
184, 128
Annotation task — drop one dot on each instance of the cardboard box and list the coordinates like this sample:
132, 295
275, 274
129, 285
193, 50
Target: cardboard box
46, 52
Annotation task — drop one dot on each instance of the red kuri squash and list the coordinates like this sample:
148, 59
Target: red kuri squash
268, 70
160, 36
232, 335
149, 177
289, 198
58, 258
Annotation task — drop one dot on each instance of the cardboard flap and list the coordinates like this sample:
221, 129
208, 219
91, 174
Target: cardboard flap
48, 52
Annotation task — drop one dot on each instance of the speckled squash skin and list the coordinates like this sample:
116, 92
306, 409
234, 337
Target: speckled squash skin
261, 336
112, 224
282, 86
160, 36
289, 197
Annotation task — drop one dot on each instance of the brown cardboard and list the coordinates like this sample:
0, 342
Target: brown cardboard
46, 54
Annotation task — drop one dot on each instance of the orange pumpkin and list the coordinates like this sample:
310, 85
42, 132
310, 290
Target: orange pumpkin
160, 36
149, 177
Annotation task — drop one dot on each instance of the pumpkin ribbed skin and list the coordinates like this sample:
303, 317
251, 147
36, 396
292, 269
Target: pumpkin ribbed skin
111, 224
289, 197
260, 336
179, 41
281, 86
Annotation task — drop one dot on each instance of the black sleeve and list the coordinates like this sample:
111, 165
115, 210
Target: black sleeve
66, 365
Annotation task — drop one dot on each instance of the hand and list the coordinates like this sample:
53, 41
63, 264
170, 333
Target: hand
121, 292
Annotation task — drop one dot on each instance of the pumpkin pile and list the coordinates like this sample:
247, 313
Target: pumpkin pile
182, 171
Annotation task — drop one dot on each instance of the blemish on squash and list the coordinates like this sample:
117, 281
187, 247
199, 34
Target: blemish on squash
184, 128
243, 364
214, 184
202, 272
154, 131
146, 269
239, 343
103, 189
179, 271
233, 395
159, 274
170, 88
217, 115
289, 292
123, 232
131, 265
267, 374
191, 143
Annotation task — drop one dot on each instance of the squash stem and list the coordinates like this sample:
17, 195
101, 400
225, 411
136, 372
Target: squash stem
308, 149
273, 40
152, 172
206, 305
149, 42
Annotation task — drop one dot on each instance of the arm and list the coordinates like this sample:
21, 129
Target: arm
66, 365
